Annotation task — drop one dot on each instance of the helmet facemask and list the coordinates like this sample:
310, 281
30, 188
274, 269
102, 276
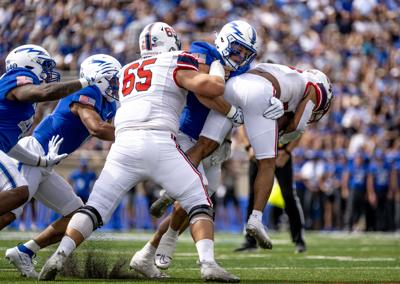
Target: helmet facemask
113, 86
323, 102
48, 73
235, 48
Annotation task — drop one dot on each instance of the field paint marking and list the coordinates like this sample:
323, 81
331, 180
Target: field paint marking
350, 258
276, 268
299, 268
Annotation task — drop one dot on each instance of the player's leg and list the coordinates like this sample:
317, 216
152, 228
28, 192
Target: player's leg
263, 137
186, 186
14, 190
209, 167
120, 173
21, 255
293, 208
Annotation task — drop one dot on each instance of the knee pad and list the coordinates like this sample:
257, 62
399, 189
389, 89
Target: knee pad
82, 223
201, 212
93, 214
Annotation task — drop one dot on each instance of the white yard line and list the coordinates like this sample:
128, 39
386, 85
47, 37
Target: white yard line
350, 258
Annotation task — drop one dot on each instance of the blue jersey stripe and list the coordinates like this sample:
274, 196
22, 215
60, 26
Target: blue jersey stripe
10, 178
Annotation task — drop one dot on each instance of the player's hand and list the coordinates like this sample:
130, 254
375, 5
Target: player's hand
275, 110
52, 158
236, 116
222, 154
98, 76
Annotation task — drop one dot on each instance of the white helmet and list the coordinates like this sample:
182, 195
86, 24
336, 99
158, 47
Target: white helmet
158, 37
34, 58
108, 65
324, 92
232, 38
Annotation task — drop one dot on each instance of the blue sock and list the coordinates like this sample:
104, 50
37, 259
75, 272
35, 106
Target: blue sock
24, 249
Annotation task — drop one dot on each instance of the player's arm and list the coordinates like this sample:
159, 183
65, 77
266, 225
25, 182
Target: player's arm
44, 92
303, 113
208, 85
93, 122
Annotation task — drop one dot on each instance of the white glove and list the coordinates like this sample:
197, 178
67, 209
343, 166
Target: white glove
52, 158
275, 110
97, 76
221, 154
289, 137
235, 114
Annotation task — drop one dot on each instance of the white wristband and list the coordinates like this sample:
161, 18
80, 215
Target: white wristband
84, 82
231, 112
216, 69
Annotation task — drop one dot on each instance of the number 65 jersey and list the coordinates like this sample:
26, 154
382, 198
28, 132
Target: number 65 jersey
149, 95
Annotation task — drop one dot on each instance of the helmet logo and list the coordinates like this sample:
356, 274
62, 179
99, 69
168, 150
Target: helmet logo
101, 62
253, 36
31, 49
237, 31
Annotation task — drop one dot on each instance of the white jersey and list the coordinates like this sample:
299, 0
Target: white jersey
291, 81
150, 97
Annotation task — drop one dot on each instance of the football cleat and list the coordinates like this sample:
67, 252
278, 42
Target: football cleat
300, 247
157, 209
165, 251
145, 266
256, 229
22, 261
53, 266
211, 271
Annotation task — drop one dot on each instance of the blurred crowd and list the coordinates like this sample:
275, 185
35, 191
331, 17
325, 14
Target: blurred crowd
348, 165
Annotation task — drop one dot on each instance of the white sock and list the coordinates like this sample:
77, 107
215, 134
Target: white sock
257, 214
67, 245
171, 233
32, 245
205, 249
149, 249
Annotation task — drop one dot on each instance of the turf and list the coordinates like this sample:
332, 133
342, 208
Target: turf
334, 257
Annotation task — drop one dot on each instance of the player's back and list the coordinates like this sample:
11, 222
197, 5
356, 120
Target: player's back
149, 95
291, 82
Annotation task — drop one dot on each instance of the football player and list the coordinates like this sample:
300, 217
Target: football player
77, 117
235, 47
30, 77
152, 94
307, 94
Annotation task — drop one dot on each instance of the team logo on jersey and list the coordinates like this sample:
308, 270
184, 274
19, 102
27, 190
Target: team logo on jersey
23, 80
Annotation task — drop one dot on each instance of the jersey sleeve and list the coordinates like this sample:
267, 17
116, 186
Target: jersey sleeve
89, 96
187, 61
15, 78
205, 52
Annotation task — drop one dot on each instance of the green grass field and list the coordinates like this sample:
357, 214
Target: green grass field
338, 258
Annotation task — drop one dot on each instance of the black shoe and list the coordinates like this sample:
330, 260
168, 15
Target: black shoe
246, 247
300, 247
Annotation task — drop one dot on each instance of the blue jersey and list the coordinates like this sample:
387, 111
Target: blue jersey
358, 176
68, 125
16, 117
381, 175
83, 182
195, 113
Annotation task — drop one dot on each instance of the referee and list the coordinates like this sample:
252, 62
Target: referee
284, 175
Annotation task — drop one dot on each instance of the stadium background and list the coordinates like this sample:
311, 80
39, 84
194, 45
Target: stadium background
356, 43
